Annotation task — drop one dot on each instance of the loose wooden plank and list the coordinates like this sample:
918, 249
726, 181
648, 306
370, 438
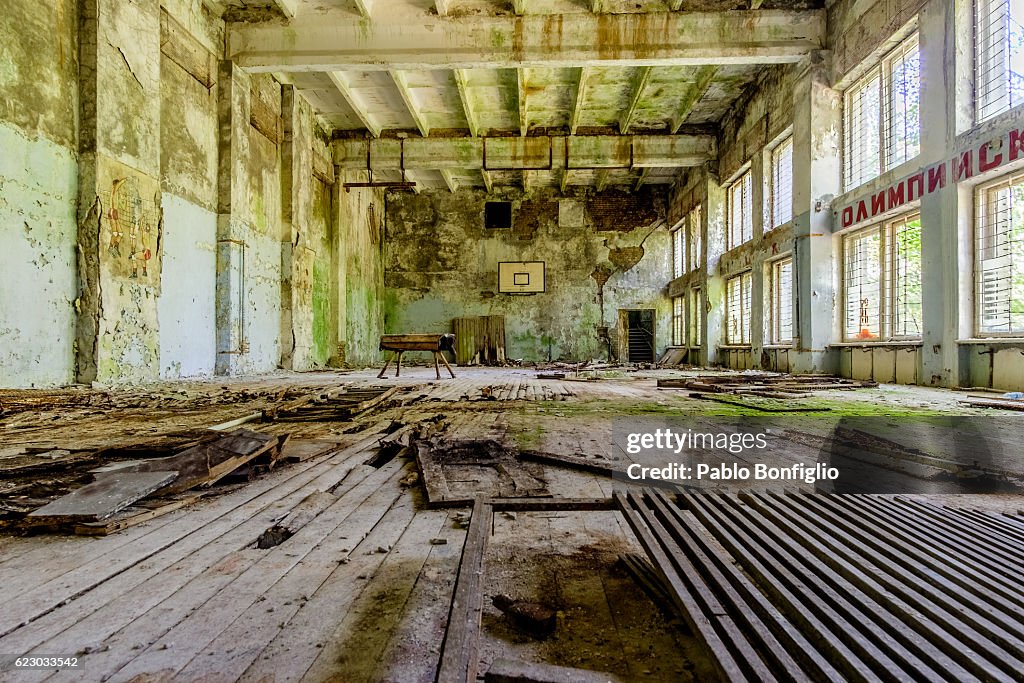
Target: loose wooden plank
459, 653
514, 671
103, 497
303, 513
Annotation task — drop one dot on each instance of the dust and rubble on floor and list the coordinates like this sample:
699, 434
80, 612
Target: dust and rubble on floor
337, 526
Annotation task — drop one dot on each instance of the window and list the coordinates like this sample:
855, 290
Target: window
999, 257
882, 281
781, 191
781, 309
741, 216
882, 116
693, 232
677, 320
498, 215
678, 251
694, 314
687, 254
737, 303
998, 56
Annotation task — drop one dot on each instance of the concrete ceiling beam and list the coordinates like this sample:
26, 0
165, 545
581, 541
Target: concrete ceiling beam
488, 180
640, 80
406, 92
705, 76
642, 179
442, 7
461, 82
287, 7
577, 107
449, 180
364, 7
341, 83
601, 181
528, 153
335, 40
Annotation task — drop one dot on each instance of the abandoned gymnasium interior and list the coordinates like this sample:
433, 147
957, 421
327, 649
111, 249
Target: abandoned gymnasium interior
529, 341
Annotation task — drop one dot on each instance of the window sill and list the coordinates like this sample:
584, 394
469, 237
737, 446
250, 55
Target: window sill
1014, 341
873, 344
778, 347
734, 347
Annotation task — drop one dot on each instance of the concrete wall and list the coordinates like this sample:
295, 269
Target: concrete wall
363, 304
38, 191
441, 263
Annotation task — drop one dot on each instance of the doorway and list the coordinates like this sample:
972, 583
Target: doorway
637, 334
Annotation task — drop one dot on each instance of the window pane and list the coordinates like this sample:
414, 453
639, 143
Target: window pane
902, 114
738, 307
677, 321
863, 136
696, 338
741, 220
782, 302
678, 253
694, 228
782, 183
999, 56
863, 279
1000, 258
905, 294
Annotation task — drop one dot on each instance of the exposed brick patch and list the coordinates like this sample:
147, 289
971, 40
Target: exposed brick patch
624, 211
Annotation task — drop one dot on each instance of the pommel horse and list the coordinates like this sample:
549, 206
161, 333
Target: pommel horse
400, 343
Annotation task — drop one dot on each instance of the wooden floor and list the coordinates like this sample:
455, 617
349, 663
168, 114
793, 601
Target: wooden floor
189, 597
361, 593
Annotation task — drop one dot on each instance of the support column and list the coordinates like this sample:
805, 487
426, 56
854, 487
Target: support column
120, 215
714, 227
757, 283
945, 238
817, 174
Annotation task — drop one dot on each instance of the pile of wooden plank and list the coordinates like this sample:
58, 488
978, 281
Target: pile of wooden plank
833, 588
763, 384
335, 406
109, 502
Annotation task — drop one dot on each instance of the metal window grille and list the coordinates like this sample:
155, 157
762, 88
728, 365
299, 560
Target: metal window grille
882, 121
903, 284
695, 330
741, 220
696, 255
999, 257
782, 183
678, 252
782, 302
882, 281
998, 56
677, 320
737, 293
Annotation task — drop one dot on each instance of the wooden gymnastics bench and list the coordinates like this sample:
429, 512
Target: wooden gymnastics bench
400, 343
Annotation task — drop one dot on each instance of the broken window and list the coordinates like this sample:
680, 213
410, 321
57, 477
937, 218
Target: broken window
782, 183
677, 321
999, 256
741, 215
693, 231
882, 115
694, 317
781, 309
737, 304
998, 56
882, 281
678, 251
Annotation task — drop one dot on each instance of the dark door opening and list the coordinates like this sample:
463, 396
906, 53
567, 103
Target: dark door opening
640, 336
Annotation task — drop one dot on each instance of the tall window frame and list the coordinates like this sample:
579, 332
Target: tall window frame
678, 320
739, 198
999, 257
882, 283
738, 291
780, 188
780, 308
882, 115
694, 243
694, 328
679, 250
998, 57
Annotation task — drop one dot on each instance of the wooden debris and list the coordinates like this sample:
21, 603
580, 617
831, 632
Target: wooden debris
551, 375
208, 462
763, 407
512, 671
331, 407
110, 493
460, 651
763, 384
986, 402
300, 450
140, 512
532, 618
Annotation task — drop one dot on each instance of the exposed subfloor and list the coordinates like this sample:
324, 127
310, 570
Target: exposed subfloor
363, 592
